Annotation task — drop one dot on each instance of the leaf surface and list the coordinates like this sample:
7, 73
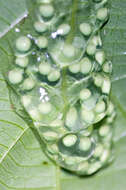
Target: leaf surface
23, 165
11, 12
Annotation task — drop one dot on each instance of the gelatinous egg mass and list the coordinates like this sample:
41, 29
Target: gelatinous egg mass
63, 78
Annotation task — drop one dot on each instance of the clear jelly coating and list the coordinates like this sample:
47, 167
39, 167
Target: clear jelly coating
64, 80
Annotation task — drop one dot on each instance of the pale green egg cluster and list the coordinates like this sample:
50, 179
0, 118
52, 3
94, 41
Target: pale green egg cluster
64, 80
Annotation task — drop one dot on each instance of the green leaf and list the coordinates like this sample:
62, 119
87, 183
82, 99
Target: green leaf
23, 164
11, 13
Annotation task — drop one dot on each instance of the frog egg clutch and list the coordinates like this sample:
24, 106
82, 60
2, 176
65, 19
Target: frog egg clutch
64, 80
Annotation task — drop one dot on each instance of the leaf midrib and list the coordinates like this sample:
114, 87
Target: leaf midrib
13, 144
